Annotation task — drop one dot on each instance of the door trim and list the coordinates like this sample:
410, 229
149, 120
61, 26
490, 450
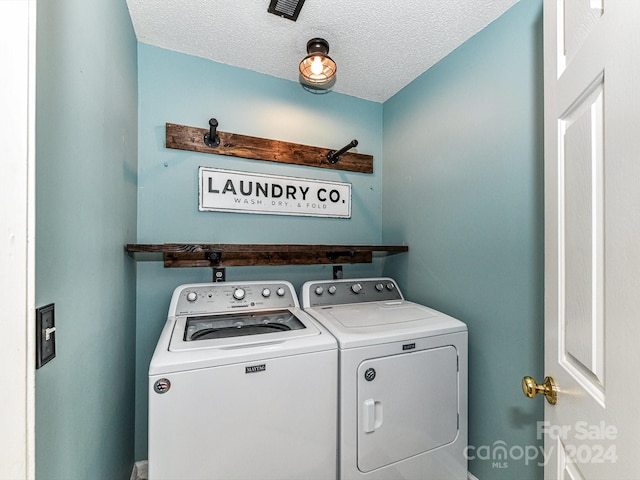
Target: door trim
17, 229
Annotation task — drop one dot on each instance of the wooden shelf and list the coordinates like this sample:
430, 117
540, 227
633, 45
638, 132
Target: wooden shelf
182, 137
232, 255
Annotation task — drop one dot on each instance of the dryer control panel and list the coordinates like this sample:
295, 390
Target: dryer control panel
340, 292
210, 298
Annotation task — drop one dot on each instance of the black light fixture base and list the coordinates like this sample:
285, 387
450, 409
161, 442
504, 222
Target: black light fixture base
317, 45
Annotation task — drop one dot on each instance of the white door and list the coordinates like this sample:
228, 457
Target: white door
592, 238
17, 57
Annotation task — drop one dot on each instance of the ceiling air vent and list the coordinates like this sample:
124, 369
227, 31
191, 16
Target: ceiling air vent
286, 8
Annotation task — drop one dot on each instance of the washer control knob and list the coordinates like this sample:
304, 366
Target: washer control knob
356, 288
319, 290
280, 292
390, 286
379, 287
266, 293
239, 293
192, 296
332, 289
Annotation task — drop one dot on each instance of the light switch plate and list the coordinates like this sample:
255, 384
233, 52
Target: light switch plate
45, 334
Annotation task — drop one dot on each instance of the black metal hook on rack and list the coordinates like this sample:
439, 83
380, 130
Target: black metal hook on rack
334, 156
212, 139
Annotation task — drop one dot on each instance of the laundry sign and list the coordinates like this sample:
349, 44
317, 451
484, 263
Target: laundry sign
240, 192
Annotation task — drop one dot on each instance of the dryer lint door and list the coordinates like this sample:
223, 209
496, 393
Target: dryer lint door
407, 404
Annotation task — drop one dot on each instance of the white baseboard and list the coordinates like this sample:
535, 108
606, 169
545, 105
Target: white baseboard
140, 470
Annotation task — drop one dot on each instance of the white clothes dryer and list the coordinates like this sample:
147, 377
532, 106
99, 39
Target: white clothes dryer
403, 381
242, 385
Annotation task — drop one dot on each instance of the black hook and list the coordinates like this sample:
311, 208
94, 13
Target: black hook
334, 156
212, 139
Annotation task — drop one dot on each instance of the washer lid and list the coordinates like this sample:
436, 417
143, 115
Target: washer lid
240, 330
372, 323
209, 327
174, 354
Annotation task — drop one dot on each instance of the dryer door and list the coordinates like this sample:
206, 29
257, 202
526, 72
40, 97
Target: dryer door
407, 405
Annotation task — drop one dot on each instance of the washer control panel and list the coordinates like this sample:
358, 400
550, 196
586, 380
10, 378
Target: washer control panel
339, 292
206, 298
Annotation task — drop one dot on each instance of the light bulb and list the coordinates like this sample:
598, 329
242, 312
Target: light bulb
316, 65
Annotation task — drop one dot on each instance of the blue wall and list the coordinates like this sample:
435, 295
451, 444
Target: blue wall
182, 89
86, 109
461, 182
463, 167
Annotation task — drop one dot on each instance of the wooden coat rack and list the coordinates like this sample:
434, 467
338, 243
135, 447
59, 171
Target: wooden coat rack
181, 137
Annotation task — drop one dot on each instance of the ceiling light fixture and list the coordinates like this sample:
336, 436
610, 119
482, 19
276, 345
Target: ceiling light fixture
317, 69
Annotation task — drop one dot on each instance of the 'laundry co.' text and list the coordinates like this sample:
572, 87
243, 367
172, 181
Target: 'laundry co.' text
275, 190
240, 192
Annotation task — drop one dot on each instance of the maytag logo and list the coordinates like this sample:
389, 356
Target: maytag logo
408, 346
255, 368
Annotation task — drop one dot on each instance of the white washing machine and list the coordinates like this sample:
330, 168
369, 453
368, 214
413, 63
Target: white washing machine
403, 381
242, 385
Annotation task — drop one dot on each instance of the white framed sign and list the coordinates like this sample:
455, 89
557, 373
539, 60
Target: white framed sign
241, 192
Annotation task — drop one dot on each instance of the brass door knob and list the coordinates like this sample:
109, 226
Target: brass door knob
531, 388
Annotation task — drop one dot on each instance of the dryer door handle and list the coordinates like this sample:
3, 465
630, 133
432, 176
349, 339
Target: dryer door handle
371, 415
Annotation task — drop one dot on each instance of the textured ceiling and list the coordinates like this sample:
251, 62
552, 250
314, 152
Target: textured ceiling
379, 46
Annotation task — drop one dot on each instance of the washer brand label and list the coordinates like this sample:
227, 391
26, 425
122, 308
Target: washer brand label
240, 192
162, 386
408, 346
255, 368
